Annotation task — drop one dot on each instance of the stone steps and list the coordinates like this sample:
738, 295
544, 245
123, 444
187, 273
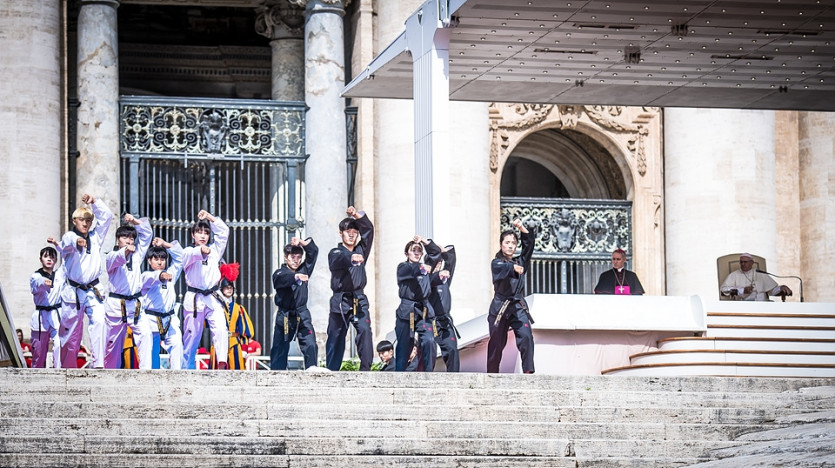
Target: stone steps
288, 419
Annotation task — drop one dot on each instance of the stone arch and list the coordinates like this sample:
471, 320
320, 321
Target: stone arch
577, 159
631, 139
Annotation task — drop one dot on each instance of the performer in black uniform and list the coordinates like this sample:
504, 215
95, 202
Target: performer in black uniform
509, 309
349, 304
293, 317
619, 280
443, 266
414, 315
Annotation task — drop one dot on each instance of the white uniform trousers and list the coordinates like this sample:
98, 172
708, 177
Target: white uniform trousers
212, 311
71, 331
173, 342
116, 329
40, 340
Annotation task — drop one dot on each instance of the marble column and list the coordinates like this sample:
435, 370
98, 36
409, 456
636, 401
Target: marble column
720, 193
817, 204
97, 169
283, 24
31, 148
326, 186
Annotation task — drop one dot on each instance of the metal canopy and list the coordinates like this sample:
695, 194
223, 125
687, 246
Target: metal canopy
746, 54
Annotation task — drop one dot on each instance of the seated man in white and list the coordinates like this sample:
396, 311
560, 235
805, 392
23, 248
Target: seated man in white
747, 284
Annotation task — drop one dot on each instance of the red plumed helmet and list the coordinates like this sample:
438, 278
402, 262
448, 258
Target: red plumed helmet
229, 274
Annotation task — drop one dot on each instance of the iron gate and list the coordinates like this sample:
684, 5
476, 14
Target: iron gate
242, 161
574, 242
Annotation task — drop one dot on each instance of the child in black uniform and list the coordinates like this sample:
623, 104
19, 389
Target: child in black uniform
508, 308
349, 304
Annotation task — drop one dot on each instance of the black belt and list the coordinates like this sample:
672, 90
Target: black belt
157, 313
162, 325
85, 287
206, 292
124, 298
52, 307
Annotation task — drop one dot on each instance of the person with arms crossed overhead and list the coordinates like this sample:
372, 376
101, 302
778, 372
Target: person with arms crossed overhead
508, 308
349, 305
159, 298
202, 303
123, 307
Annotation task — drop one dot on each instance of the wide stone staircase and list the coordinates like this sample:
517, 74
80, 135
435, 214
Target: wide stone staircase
71, 418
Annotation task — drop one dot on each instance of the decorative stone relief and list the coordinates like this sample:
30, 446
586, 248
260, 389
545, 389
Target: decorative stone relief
508, 122
284, 20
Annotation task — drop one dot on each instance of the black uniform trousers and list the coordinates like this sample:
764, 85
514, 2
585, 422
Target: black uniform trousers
338, 323
448, 343
299, 325
516, 318
406, 340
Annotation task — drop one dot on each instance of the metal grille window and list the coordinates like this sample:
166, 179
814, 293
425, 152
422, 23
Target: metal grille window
243, 161
574, 242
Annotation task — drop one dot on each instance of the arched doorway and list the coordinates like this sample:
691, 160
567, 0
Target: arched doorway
568, 184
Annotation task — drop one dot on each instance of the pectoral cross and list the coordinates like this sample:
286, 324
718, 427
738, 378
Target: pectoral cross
620, 289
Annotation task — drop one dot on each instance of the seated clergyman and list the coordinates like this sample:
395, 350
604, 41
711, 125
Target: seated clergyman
747, 284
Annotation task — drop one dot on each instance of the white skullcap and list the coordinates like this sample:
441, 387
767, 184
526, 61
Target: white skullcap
746, 254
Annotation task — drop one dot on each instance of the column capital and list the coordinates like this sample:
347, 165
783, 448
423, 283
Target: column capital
112, 3
323, 6
283, 20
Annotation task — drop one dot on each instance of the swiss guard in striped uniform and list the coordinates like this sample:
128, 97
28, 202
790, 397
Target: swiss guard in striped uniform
238, 321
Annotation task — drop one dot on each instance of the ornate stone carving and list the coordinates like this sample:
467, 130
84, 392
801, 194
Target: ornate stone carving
528, 116
509, 119
213, 131
284, 20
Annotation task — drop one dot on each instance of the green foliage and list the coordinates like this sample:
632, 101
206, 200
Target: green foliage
350, 365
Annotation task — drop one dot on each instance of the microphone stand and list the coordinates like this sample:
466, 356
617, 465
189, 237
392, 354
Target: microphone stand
795, 277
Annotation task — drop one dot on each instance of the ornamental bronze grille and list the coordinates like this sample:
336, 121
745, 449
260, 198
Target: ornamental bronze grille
574, 242
241, 160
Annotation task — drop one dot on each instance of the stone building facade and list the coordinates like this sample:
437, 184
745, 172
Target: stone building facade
699, 183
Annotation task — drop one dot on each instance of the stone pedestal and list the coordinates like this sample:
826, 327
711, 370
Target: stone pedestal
31, 149
326, 169
817, 204
98, 96
720, 193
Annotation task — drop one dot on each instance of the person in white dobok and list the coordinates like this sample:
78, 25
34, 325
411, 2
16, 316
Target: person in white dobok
202, 301
80, 251
747, 284
124, 268
46, 285
159, 298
